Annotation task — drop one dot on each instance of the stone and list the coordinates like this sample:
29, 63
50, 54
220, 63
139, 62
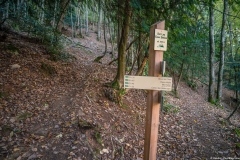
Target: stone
80, 113
15, 66
33, 156
40, 132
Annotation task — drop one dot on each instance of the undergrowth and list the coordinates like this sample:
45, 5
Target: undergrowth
48, 69
169, 108
4, 94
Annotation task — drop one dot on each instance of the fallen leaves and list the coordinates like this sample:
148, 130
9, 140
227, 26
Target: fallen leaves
63, 115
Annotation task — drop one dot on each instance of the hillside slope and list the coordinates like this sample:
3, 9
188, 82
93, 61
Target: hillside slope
61, 109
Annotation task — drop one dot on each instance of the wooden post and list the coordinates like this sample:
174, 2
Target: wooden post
153, 105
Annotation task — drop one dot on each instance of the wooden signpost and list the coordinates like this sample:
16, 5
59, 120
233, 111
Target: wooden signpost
154, 83
150, 83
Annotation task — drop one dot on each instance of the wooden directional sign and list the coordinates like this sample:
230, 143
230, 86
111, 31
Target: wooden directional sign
160, 40
150, 83
153, 105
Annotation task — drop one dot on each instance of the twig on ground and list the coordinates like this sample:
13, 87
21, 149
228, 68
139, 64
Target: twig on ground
125, 125
88, 98
122, 157
90, 148
113, 152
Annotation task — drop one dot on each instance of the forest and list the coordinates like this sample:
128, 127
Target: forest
62, 67
207, 27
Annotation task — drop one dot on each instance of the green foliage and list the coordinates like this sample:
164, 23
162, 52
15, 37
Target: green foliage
174, 93
232, 75
7, 128
217, 103
145, 70
192, 84
223, 122
237, 131
4, 94
48, 69
23, 116
56, 53
98, 137
237, 145
120, 94
13, 49
169, 108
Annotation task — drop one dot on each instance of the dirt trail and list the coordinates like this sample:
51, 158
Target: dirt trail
70, 116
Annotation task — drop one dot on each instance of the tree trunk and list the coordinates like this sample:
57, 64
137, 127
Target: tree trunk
111, 38
54, 14
42, 15
236, 108
140, 57
119, 79
18, 8
63, 8
72, 24
77, 22
80, 23
222, 47
104, 31
176, 81
86, 28
99, 21
231, 39
140, 70
135, 59
236, 81
7, 9
105, 40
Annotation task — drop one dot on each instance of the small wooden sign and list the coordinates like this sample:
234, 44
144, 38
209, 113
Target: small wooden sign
149, 83
160, 40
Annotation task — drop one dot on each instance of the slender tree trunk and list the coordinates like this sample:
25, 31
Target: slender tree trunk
135, 59
111, 37
72, 24
236, 108
236, 81
7, 9
140, 70
54, 14
231, 40
63, 8
78, 15
222, 47
14, 9
176, 81
105, 39
80, 28
104, 31
99, 21
93, 21
140, 57
86, 29
18, 8
42, 15
233, 59
119, 79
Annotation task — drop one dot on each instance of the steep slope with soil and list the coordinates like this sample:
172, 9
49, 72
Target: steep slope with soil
61, 109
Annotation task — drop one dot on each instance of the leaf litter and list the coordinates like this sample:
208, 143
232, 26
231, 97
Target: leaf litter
68, 116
